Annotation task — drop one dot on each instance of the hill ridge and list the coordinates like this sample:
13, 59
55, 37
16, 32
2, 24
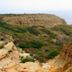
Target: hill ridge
33, 19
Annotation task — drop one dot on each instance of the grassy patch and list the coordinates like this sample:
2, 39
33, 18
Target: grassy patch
33, 44
24, 45
33, 30
66, 29
48, 32
52, 54
9, 28
27, 59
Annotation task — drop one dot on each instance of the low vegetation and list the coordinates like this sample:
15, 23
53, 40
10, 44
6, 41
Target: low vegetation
44, 43
33, 44
27, 59
66, 29
33, 30
52, 54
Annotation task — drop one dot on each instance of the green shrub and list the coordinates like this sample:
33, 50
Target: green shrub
33, 44
58, 44
27, 59
36, 44
10, 28
52, 54
24, 45
66, 29
48, 32
5, 25
33, 30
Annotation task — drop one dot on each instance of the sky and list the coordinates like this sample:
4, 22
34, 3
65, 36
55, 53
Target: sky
62, 8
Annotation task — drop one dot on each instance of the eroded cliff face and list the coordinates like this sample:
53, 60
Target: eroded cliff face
33, 20
8, 54
63, 62
66, 55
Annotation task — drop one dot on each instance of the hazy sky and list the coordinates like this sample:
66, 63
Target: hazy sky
37, 6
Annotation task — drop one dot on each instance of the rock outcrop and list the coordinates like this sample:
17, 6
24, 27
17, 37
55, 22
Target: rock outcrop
9, 60
8, 54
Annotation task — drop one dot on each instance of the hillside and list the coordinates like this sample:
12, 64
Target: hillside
47, 20
16, 60
41, 35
